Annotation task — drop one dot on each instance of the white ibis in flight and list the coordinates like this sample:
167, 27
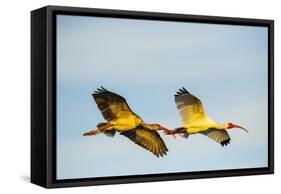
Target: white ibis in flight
122, 119
195, 120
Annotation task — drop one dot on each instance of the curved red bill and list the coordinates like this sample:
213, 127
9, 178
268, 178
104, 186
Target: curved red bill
237, 126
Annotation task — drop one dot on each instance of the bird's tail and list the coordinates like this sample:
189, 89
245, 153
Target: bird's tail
184, 135
110, 133
182, 132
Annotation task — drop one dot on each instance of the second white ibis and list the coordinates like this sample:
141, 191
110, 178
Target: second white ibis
196, 120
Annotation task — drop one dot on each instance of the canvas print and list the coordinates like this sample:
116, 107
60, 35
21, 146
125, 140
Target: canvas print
137, 97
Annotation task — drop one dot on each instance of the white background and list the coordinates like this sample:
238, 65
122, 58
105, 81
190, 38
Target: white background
15, 94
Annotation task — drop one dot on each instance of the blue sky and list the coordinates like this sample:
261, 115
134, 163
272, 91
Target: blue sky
146, 62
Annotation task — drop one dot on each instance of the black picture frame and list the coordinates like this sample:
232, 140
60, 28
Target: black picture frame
43, 96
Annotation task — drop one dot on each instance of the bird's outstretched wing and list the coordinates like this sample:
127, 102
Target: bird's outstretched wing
110, 104
147, 139
189, 106
220, 136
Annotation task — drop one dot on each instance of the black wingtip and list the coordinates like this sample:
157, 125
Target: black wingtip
100, 90
225, 142
103, 88
181, 91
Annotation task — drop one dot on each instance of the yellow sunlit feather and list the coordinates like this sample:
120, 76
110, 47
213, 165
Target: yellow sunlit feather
121, 118
147, 139
191, 110
195, 119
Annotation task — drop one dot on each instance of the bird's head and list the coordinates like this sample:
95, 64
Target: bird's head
231, 125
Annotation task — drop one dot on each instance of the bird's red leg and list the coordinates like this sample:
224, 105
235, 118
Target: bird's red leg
171, 132
175, 131
96, 131
166, 131
92, 132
